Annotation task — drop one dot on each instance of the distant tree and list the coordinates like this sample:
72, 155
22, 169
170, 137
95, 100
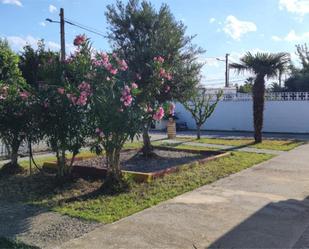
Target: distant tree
247, 87
263, 65
9, 71
32, 60
275, 87
201, 106
299, 79
139, 33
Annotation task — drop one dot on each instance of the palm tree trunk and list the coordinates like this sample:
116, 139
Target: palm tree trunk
258, 107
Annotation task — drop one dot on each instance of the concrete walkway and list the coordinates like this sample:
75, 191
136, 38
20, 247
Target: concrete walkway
228, 147
265, 206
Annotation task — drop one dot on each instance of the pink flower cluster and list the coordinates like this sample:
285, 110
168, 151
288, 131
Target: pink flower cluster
158, 59
167, 89
79, 40
126, 97
159, 114
105, 62
164, 74
123, 66
85, 92
99, 132
134, 85
24, 95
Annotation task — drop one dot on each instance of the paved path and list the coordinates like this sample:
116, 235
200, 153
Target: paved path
265, 206
236, 134
228, 147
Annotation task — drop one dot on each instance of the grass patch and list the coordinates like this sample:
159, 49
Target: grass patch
74, 197
269, 144
10, 244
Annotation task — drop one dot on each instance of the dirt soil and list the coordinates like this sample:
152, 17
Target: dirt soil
134, 161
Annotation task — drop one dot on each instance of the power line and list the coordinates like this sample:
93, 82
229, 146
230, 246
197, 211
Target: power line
81, 26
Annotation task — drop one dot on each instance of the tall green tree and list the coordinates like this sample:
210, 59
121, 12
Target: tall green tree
262, 65
9, 71
140, 33
299, 78
31, 61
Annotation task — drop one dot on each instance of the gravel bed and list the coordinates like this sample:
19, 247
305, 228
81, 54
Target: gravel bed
134, 161
39, 227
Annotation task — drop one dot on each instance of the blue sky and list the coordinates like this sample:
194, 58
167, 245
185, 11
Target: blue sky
221, 26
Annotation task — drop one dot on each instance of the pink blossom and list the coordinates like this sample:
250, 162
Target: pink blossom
126, 97
2, 97
82, 100
123, 66
72, 98
169, 76
162, 73
79, 40
149, 109
171, 109
134, 85
167, 89
24, 95
104, 57
84, 86
158, 59
120, 109
113, 71
60, 90
108, 78
138, 76
159, 114
98, 130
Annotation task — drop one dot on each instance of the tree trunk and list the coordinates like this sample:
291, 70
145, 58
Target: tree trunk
114, 182
147, 147
14, 155
12, 167
258, 107
198, 131
14, 147
63, 169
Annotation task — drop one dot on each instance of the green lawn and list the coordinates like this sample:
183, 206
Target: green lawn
10, 244
111, 208
69, 197
270, 144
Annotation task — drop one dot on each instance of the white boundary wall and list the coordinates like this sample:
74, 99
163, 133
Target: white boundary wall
287, 115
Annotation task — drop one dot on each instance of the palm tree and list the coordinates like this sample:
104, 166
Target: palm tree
261, 65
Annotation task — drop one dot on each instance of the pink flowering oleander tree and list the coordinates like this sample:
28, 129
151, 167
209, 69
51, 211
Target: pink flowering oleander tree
16, 120
64, 104
156, 98
116, 116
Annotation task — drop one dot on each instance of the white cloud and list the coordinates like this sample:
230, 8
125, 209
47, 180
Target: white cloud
52, 8
299, 7
13, 2
212, 20
292, 37
236, 28
43, 24
18, 42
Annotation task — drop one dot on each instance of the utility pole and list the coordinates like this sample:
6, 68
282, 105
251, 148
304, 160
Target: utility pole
62, 39
227, 71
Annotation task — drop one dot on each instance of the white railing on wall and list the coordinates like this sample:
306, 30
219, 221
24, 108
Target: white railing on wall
273, 96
